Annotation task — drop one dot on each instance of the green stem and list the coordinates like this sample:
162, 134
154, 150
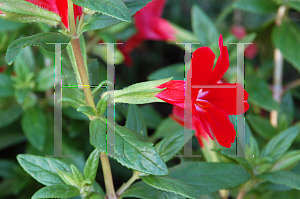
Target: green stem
133, 178
110, 190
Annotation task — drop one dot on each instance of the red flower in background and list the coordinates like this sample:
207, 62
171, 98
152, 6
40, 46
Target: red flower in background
150, 26
59, 7
178, 116
211, 106
240, 31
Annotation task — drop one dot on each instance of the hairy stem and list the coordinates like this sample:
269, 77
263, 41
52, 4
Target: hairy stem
110, 190
133, 178
278, 70
241, 194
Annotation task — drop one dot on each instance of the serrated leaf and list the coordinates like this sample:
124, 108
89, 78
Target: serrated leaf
34, 125
138, 155
280, 143
40, 39
100, 21
76, 173
172, 144
42, 169
170, 185
203, 27
291, 158
116, 9
139, 93
135, 120
206, 177
57, 191
91, 166
286, 39
256, 6
144, 191
286, 178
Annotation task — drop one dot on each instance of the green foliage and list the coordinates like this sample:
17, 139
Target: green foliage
257, 6
176, 71
57, 191
261, 126
282, 177
91, 166
135, 120
6, 86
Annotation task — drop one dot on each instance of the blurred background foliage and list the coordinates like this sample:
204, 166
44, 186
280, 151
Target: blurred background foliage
26, 87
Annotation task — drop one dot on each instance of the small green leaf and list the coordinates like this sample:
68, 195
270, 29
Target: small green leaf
252, 149
170, 185
45, 79
286, 178
100, 21
116, 9
67, 178
279, 144
42, 169
98, 134
291, 158
203, 27
6, 86
135, 120
40, 39
91, 166
102, 104
34, 125
172, 144
76, 173
76, 103
261, 126
57, 191
140, 93
9, 115
206, 177
256, 6
167, 127
286, 39
88, 110
95, 195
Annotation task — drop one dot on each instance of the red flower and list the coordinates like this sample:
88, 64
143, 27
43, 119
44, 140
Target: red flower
211, 106
150, 25
240, 31
178, 116
59, 7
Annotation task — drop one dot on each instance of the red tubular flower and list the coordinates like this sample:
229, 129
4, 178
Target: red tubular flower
150, 25
211, 106
240, 31
59, 7
178, 116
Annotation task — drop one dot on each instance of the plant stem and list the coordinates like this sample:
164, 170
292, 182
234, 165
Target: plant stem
133, 178
292, 85
110, 190
241, 195
278, 70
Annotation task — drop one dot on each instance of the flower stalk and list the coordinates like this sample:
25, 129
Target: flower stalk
133, 178
110, 191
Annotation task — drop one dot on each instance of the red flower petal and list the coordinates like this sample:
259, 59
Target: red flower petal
174, 92
226, 99
219, 121
155, 7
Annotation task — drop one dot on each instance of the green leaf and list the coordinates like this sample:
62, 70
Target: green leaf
290, 159
294, 4
45, 79
286, 39
100, 21
256, 6
151, 115
259, 93
6, 86
10, 138
42, 169
167, 127
9, 115
95, 195
116, 9
10, 26
176, 71
170, 185
287, 111
135, 120
135, 153
40, 39
91, 166
34, 125
76, 173
172, 144
144, 191
88, 110
68, 178
57, 191
279, 144
282, 177
140, 93
261, 126
203, 27
206, 177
